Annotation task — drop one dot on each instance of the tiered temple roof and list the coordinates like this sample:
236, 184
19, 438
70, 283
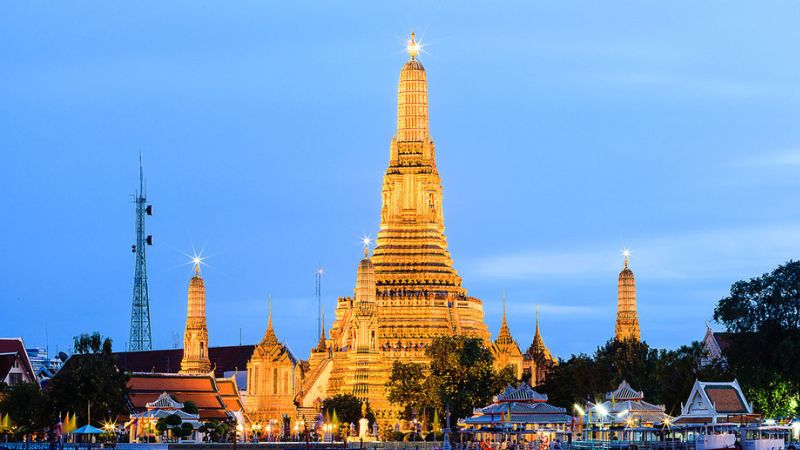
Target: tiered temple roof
625, 405
519, 406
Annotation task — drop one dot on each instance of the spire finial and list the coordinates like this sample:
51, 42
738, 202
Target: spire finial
366, 240
269, 308
413, 47
627, 254
196, 261
504, 306
537, 318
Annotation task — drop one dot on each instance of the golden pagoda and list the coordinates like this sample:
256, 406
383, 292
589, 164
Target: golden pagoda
407, 291
270, 378
195, 338
627, 317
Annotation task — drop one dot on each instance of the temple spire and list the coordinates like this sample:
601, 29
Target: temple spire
627, 327
412, 98
504, 336
195, 337
269, 336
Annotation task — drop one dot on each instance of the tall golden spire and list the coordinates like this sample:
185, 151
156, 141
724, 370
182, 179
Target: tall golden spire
627, 317
504, 336
269, 337
412, 98
538, 350
195, 337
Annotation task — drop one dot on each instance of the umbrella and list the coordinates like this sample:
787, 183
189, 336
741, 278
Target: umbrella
88, 429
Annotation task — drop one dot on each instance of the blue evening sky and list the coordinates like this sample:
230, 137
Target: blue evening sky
565, 132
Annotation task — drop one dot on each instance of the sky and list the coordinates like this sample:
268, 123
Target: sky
565, 131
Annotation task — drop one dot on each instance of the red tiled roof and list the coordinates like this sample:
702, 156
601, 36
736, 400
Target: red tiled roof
15, 345
156, 383
230, 395
726, 399
223, 359
201, 390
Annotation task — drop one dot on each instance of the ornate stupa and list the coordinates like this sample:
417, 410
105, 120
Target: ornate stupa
195, 337
407, 292
627, 317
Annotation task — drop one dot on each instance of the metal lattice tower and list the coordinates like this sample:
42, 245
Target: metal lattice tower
140, 337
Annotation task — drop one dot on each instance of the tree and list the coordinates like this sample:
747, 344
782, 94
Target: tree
505, 377
189, 407
348, 408
410, 385
90, 376
763, 314
28, 408
460, 376
665, 376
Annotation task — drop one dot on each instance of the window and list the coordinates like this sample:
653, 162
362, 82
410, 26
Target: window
202, 349
275, 380
14, 378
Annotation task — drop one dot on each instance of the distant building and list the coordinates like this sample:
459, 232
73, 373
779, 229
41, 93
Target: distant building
715, 344
15, 366
712, 402
43, 366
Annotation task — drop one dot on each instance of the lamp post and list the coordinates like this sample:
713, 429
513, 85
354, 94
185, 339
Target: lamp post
446, 443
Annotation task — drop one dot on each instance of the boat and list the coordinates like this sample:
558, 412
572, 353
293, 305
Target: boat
765, 437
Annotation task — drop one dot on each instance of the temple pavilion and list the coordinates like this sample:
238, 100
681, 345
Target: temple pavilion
625, 406
518, 410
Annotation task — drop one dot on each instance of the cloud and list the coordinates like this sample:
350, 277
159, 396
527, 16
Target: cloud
558, 310
692, 85
727, 253
781, 158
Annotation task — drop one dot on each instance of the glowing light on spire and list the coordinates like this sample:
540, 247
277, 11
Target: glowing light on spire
366, 241
413, 47
626, 253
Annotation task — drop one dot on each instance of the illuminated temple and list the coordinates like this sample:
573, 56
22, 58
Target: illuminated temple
406, 292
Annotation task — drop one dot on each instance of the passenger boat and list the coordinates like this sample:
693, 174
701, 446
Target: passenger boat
771, 437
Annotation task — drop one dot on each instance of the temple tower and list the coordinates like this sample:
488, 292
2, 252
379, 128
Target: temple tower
505, 349
407, 292
627, 317
195, 338
538, 357
270, 378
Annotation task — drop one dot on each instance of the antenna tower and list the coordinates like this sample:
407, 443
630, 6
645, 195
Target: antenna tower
140, 337
318, 294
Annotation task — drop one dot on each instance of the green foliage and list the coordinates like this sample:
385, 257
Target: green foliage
189, 407
173, 420
764, 352
505, 377
460, 375
27, 406
347, 408
217, 431
90, 375
411, 386
665, 376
